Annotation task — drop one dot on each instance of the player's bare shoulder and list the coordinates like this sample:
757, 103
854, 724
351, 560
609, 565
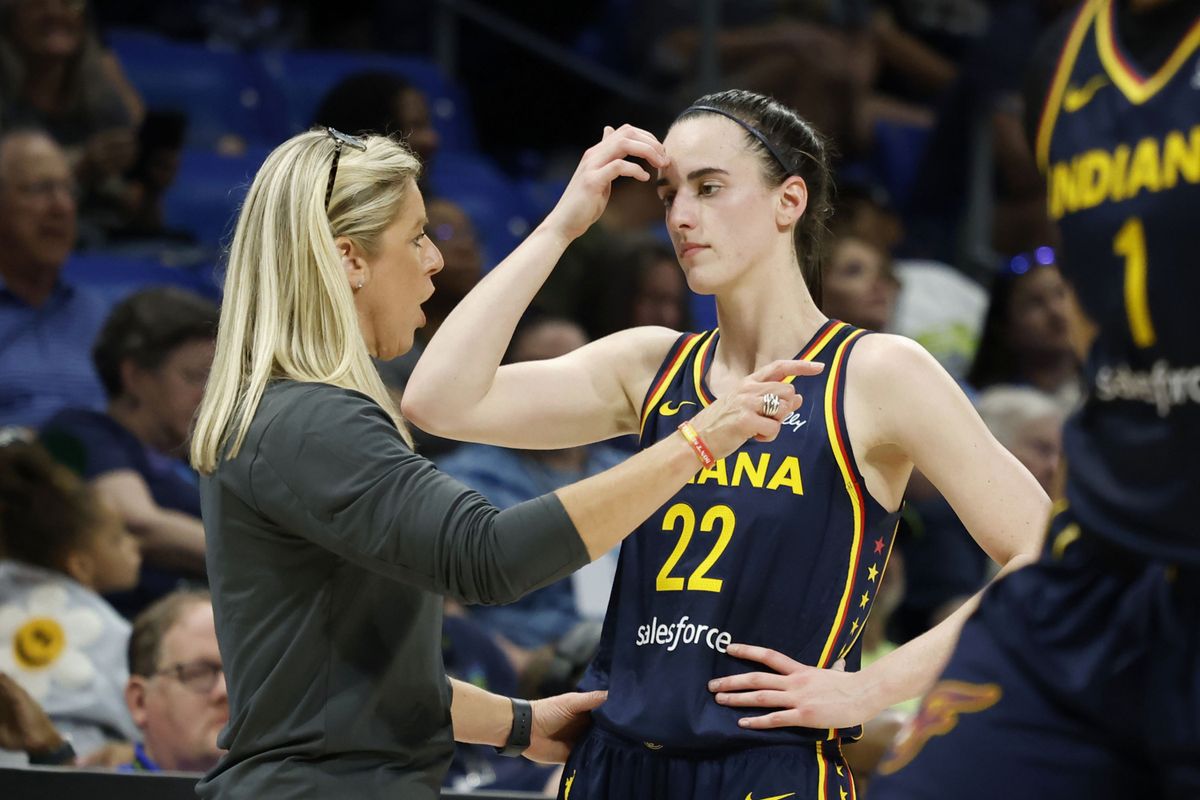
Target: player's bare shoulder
889, 380
884, 360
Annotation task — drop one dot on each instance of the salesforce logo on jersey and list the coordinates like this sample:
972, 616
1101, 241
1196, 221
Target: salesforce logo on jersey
1163, 386
673, 634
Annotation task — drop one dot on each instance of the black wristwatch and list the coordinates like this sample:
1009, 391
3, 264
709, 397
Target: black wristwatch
522, 727
63, 754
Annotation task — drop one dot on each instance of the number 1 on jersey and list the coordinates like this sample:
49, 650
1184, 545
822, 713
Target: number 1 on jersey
1130, 242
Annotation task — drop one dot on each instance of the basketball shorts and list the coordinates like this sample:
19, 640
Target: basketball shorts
604, 766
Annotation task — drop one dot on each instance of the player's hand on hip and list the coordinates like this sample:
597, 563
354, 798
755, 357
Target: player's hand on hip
558, 722
587, 193
803, 695
733, 418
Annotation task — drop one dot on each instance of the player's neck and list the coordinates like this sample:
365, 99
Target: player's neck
768, 315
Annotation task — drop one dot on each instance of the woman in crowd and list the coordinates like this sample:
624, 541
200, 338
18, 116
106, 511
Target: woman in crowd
1027, 334
153, 356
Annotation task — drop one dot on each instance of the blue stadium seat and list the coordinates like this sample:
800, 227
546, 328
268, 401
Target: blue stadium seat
605, 39
117, 277
304, 77
540, 195
208, 192
221, 92
896, 157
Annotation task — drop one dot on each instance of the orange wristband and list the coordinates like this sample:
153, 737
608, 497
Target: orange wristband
702, 452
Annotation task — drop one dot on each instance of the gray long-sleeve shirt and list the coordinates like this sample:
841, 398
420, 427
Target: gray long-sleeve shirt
330, 544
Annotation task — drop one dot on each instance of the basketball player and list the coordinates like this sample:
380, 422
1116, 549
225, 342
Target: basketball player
1080, 676
782, 544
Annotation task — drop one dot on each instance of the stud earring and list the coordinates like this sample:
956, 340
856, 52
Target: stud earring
360, 285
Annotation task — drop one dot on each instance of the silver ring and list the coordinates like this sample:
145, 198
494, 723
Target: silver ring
770, 404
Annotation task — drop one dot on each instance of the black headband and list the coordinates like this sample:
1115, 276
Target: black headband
750, 129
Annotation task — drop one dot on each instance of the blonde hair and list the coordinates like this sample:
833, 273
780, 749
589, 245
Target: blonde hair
288, 310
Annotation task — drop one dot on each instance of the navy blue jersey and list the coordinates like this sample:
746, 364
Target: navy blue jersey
776, 545
1121, 154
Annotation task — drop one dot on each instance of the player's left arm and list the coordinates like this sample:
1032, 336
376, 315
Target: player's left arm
912, 409
901, 405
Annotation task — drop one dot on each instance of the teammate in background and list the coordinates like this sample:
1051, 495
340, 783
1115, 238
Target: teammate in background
1080, 676
781, 543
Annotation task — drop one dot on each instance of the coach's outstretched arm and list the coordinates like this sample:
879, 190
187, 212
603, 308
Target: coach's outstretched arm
332, 469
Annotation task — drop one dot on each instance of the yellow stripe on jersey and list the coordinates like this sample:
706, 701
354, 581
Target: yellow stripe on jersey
698, 369
849, 772
843, 461
668, 376
1062, 74
815, 349
821, 772
1132, 85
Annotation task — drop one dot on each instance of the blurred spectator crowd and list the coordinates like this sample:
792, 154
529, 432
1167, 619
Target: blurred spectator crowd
129, 131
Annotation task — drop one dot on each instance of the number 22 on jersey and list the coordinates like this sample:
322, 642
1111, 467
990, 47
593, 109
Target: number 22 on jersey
681, 518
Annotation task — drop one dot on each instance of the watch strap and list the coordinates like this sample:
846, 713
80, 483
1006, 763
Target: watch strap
522, 729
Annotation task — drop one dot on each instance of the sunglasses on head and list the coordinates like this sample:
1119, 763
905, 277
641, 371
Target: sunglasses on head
339, 140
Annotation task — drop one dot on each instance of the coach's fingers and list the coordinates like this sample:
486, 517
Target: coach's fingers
581, 702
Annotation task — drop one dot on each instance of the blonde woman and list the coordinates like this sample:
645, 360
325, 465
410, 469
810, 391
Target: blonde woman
330, 542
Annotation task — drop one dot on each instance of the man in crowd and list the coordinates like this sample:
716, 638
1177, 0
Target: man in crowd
176, 692
46, 326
